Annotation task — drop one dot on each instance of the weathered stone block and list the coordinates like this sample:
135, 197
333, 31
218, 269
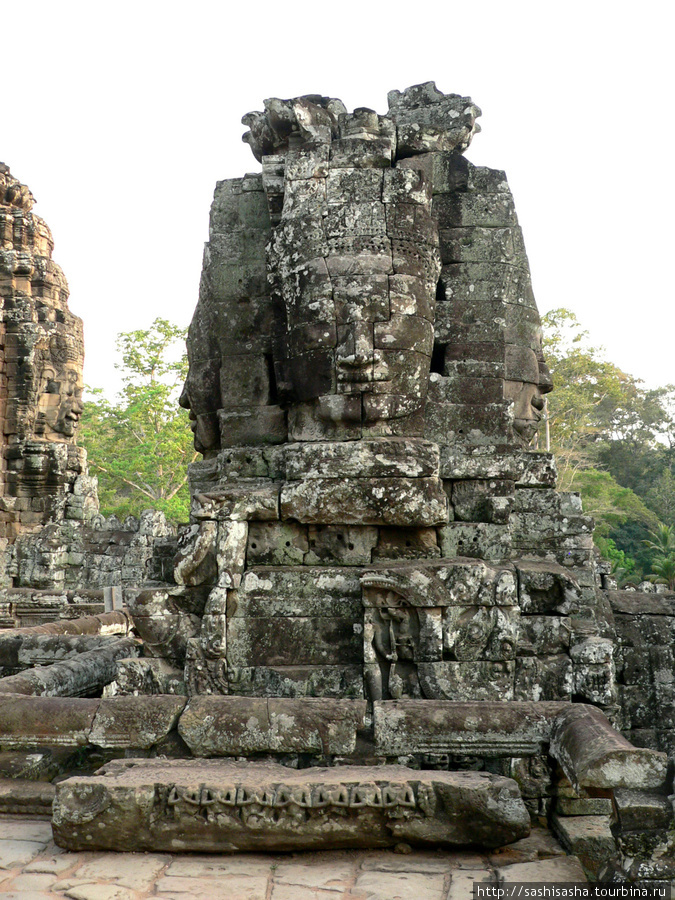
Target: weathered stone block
472, 424
50, 721
162, 806
365, 501
482, 501
589, 838
543, 635
456, 582
642, 810
592, 754
239, 501
135, 722
341, 545
287, 641
477, 680
406, 543
475, 540
480, 632
276, 544
544, 678
232, 726
146, 676
545, 587
299, 591
463, 728
384, 458
252, 425
339, 682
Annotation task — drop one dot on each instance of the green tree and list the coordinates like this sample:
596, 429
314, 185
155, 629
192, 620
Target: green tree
140, 445
661, 542
614, 441
594, 402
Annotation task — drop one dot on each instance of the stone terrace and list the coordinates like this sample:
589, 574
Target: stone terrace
33, 868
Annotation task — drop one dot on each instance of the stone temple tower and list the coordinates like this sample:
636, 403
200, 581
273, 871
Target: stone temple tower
42, 355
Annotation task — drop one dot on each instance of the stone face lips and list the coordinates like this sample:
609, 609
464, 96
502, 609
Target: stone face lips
212, 806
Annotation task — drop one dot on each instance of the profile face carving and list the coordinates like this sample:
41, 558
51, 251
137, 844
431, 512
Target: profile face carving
528, 380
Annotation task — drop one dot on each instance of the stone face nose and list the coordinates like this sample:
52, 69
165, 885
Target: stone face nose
355, 354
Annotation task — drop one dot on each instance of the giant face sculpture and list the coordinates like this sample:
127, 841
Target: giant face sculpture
354, 265
527, 381
59, 405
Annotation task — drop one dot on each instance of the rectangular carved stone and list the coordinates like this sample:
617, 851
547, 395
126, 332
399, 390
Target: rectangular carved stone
135, 722
475, 540
52, 721
466, 681
252, 425
286, 641
546, 587
342, 545
441, 583
366, 501
239, 500
297, 591
387, 457
232, 726
276, 544
213, 807
465, 729
640, 603
339, 682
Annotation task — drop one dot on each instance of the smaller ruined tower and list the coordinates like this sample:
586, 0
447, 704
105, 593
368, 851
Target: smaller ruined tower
41, 360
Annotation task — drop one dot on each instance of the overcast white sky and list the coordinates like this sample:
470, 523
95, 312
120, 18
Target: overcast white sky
122, 116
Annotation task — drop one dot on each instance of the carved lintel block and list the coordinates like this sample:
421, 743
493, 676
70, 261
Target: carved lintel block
213, 806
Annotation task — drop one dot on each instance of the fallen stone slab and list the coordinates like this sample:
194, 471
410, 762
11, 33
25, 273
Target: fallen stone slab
135, 722
592, 754
81, 676
213, 806
21, 797
28, 721
232, 726
116, 622
589, 838
471, 728
22, 651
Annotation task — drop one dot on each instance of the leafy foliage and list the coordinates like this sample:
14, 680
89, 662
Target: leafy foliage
139, 446
614, 441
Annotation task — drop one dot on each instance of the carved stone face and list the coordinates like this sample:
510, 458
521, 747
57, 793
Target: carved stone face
201, 396
60, 402
527, 381
356, 306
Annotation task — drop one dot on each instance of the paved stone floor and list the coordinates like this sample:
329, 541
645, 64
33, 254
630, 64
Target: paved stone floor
32, 867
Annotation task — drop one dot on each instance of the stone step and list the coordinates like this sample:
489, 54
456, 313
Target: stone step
22, 797
215, 806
